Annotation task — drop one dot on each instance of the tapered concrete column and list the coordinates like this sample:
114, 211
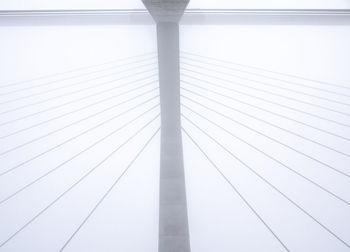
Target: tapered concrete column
173, 224
173, 221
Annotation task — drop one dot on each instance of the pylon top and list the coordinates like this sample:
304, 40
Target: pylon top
166, 10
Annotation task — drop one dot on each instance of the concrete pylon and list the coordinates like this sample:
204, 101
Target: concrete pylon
173, 220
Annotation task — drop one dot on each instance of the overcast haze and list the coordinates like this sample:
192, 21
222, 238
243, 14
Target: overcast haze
218, 218
203, 4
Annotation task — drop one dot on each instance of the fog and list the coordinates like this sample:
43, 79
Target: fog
195, 4
219, 220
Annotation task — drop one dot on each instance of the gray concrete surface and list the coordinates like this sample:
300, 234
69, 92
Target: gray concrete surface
173, 220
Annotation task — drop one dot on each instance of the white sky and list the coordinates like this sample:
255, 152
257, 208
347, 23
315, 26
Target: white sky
137, 4
219, 220
216, 213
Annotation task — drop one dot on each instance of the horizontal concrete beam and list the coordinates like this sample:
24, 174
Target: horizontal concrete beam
266, 17
191, 17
